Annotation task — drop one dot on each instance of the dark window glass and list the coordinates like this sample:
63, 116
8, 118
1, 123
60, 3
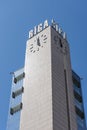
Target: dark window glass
21, 76
17, 92
16, 108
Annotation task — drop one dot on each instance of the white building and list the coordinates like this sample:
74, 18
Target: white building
48, 93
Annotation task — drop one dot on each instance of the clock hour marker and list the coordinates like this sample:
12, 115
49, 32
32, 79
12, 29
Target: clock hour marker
45, 38
31, 47
44, 35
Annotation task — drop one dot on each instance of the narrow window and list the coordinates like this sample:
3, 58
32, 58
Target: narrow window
16, 108
17, 92
20, 77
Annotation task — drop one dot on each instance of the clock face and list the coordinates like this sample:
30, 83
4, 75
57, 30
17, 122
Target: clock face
38, 43
60, 45
58, 41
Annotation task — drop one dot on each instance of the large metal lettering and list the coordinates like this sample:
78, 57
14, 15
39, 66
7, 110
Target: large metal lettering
41, 26
46, 24
31, 33
38, 29
35, 30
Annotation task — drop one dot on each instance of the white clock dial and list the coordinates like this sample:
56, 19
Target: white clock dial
38, 43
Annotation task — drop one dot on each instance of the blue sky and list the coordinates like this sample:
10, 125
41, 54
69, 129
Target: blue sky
18, 17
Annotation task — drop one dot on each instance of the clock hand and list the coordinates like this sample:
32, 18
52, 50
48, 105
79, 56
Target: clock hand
38, 41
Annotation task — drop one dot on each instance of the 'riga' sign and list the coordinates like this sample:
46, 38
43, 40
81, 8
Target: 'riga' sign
41, 26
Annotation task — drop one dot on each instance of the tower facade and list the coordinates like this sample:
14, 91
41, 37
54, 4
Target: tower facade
48, 100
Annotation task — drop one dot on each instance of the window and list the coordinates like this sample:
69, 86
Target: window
77, 96
76, 82
21, 76
16, 108
79, 112
17, 92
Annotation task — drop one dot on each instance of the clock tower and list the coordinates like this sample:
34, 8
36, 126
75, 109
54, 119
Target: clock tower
48, 94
